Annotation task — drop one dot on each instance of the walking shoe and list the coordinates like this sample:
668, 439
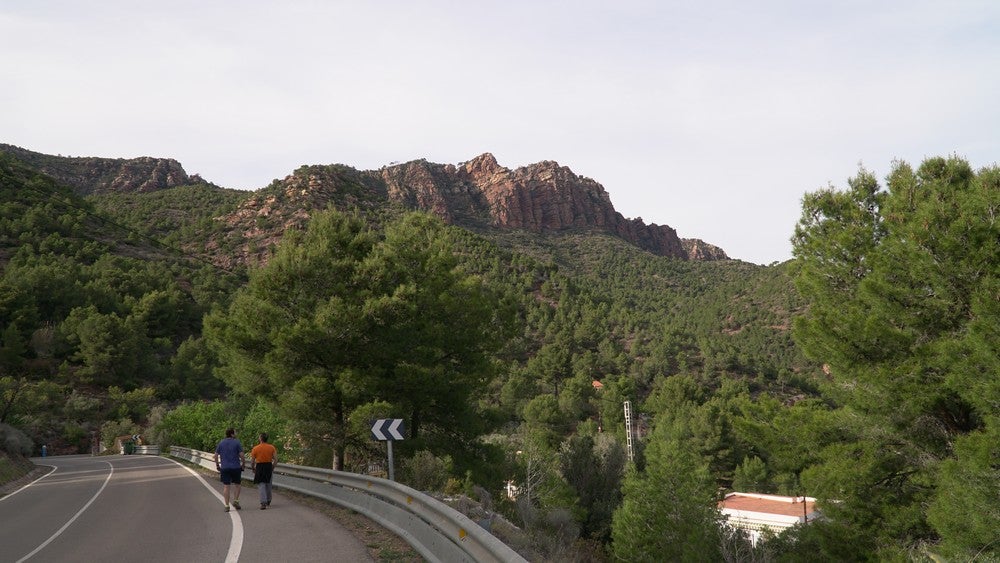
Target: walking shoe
227, 508
236, 505
263, 506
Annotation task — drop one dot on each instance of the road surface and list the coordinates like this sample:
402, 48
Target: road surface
150, 508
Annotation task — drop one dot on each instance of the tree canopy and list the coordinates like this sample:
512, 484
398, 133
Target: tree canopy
902, 285
342, 316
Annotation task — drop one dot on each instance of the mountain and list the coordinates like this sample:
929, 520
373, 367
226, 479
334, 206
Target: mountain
480, 195
108, 292
94, 175
539, 198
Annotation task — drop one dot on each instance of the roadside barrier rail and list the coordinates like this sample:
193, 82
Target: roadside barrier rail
437, 531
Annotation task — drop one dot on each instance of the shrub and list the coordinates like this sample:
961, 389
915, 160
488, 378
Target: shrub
15, 442
426, 472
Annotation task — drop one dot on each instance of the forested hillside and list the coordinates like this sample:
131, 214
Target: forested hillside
510, 355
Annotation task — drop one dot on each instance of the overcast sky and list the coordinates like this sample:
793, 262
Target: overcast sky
713, 117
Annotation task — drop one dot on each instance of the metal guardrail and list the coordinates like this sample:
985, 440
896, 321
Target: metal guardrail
147, 450
437, 531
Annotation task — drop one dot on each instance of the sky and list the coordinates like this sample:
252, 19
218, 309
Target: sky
714, 117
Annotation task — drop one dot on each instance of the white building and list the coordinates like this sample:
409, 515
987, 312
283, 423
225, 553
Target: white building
756, 513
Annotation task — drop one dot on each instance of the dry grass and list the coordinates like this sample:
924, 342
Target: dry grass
16, 472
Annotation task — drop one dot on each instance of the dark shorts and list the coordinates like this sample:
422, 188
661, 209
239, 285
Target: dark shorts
262, 473
230, 476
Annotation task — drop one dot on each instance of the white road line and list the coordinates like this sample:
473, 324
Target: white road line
236, 541
75, 516
29, 484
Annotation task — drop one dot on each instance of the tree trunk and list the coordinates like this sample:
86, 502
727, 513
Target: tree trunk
340, 436
415, 423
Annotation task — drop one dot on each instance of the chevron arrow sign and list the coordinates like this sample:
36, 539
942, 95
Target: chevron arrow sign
388, 429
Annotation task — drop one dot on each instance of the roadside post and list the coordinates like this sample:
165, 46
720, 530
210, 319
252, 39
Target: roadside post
388, 430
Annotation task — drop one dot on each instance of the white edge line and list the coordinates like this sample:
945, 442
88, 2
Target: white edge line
236, 541
75, 516
7, 496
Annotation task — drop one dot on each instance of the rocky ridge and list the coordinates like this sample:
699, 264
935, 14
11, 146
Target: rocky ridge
540, 198
480, 194
94, 175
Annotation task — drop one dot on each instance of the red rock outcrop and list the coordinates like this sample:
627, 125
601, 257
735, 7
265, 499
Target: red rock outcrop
542, 198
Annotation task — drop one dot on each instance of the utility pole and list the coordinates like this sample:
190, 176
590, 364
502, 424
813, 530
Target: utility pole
628, 430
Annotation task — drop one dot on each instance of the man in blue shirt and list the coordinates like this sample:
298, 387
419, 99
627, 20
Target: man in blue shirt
229, 463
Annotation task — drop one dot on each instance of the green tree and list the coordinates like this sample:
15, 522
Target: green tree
751, 476
595, 469
965, 510
109, 350
340, 317
668, 512
198, 426
192, 372
901, 284
436, 327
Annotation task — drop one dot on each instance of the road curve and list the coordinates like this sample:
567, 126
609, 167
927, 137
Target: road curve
143, 508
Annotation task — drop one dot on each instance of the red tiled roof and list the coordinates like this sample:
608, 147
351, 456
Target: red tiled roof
768, 505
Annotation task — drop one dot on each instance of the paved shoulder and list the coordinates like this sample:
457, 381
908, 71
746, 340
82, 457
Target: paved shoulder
288, 531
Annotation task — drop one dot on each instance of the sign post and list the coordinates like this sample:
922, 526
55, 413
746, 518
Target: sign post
388, 430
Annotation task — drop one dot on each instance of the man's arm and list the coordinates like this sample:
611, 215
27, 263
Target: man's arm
216, 458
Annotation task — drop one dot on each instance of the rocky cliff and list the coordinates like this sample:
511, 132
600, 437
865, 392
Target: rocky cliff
698, 249
480, 194
92, 175
541, 198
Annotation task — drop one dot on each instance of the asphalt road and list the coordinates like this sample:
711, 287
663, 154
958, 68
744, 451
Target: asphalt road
150, 508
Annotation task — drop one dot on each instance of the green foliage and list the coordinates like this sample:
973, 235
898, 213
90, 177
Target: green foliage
192, 372
388, 314
134, 404
902, 290
964, 510
263, 416
112, 429
668, 511
180, 216
340, 317
197, 425
594, 469
751, 476
426, 472
826, 540
544, 422
88, 304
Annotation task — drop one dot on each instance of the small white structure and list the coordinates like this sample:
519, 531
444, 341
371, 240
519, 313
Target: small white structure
756, 513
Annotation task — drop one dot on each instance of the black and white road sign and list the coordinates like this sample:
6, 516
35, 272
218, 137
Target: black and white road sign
388, 429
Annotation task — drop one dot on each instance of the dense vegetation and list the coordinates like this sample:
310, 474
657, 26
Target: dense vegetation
510, 357
99, 323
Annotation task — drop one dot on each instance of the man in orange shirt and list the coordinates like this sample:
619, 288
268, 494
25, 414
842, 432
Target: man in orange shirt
263, 459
